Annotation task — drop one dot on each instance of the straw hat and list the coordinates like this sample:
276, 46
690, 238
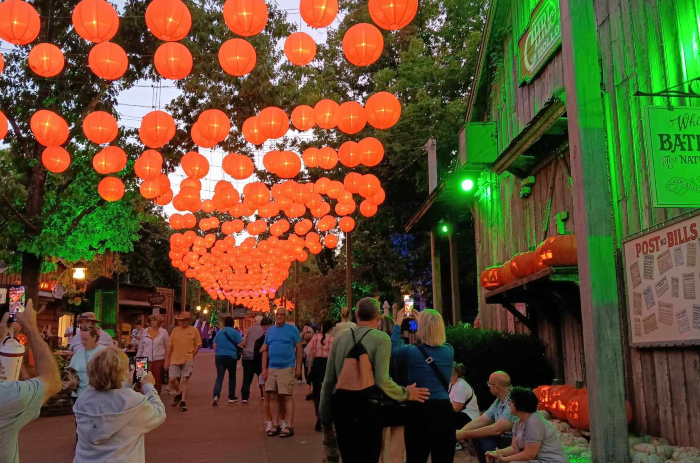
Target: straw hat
183, 316
88, 316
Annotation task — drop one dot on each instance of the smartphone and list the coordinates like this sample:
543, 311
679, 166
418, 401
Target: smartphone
407, 305
18, 301
141, 370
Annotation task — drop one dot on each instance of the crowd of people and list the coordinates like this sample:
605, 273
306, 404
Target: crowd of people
377, 391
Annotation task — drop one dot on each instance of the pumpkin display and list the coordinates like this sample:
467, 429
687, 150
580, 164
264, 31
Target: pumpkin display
560, 400
524, 264
100, 127
392, 14
542, 393
173, 61
56, 159
19, 22
245, 17
95, 20
506, 276
300, 48
558, 251
49, 128
363, 44
237, 57
108, 60
169, 20
489, 278
46, 60
318, 13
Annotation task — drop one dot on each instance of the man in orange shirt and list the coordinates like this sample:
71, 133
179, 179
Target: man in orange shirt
184, 344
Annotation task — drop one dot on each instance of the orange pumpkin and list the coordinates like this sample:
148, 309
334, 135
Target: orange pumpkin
505, 274
558, 251
561, 398
524, 264
577, 410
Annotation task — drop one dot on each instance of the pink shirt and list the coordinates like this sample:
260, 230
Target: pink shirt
319, 349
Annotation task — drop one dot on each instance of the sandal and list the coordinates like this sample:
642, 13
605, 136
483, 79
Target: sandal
287, 432
273, 431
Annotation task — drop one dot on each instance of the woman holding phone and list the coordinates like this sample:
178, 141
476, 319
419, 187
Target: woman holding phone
154, 345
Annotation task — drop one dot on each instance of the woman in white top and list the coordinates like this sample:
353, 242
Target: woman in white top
154, 345
462, 397
345, 322
90, 338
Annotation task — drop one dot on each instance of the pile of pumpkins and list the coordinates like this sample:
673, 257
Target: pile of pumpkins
647, 449
555, 251
576, 446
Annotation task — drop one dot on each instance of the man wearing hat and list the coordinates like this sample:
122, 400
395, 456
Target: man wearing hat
184, 344
86, 319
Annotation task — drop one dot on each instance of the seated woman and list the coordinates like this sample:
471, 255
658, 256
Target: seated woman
111, 417
534, 438
462, 397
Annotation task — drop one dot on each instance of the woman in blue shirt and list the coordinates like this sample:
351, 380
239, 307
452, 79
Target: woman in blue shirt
226, 357
430, 426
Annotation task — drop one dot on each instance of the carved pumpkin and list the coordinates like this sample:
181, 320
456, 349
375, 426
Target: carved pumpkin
558, 251
524, 264
561, 400
577, 413
489, 278
505, 274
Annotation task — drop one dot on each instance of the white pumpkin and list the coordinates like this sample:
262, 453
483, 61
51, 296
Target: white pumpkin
562, 426
685, 452
642, 457
581, 441
665, 451
574, 450
567, 442
645, 448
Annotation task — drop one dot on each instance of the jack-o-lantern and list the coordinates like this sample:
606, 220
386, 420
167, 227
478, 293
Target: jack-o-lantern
560, 400
558, 251
489, 278
542, 393
525, 264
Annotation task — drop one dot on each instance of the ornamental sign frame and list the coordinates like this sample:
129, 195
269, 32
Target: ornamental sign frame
540, 41
673, 153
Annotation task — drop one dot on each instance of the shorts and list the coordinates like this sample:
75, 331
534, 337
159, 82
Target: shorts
185, 370
261, 381
280, 380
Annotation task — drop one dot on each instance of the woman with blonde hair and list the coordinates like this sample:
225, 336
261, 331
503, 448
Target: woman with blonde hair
89, 339
113, 418
430, 425
154, 345
345, 322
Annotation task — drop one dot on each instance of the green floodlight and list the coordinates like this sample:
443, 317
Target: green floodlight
467, 184
444, 228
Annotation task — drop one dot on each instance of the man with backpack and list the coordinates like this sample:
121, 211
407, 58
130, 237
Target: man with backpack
357, 374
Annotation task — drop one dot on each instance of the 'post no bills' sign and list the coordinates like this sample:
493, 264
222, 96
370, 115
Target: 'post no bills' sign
673, 143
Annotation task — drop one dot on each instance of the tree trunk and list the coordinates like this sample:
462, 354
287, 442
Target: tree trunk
31, 267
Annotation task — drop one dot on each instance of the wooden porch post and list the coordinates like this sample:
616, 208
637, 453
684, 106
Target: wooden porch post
602, 333
436, 270
454, 274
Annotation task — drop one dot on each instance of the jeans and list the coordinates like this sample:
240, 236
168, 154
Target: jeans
223, 363
248, 374
488, 444
430, 432
358, 427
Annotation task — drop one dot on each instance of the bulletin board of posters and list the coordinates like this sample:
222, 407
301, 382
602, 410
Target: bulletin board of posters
662, 281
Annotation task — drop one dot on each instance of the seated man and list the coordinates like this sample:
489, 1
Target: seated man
493, 428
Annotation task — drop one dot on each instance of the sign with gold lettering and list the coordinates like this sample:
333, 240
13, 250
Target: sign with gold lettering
662, 273
673, 153
540, 40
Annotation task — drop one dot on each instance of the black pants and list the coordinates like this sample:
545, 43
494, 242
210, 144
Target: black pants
430, 432
358, 425
317, 374
461, 420
488, 444
224, 363
248, 375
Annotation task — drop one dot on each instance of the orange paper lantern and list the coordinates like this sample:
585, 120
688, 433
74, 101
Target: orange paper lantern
238, 166
367, 208
353, 182
199, 139
326, 113
378, 198
251, 131
157, 129
303, 117
310, 157
100, 127
300, 48
173, 61
288, 164
46, 60
330, 241
371, 151
369, 186
392, 14
327, 158
351, 117
257, 193
149, 165
169, 20
49, 128
3, 125
2, 63
347, 224
108, 60
274, 122
349, 154
56, 159
111, 189
237, 57
318, 13
245, 17
214, 124
19, 22
149, 189
110, 160
383, 110
363, 44
95, 20
195, 165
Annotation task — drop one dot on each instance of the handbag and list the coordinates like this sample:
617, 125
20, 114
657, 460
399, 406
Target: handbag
239, 349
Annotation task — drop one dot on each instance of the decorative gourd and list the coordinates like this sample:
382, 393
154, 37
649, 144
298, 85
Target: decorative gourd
558, 251
686, 452
646, 458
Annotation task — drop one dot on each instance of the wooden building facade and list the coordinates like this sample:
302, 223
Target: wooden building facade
526, 193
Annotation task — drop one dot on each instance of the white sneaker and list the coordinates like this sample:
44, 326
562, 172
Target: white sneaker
458, 446
245, 401
268, 426
283, 425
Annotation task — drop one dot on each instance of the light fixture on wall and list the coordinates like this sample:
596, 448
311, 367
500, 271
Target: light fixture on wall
79, 273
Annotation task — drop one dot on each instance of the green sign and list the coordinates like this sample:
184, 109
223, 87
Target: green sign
673, 143
540, 40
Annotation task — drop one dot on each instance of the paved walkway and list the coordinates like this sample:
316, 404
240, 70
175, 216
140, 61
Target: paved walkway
229, 432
